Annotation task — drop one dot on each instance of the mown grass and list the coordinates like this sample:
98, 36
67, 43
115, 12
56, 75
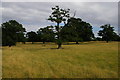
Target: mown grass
86, 60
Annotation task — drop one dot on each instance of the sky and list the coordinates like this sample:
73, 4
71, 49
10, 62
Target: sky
33, 15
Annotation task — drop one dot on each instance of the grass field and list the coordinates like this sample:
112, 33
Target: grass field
86, 60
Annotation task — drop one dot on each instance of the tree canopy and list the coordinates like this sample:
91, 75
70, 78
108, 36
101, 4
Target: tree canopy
10, 32
77, 30
58, 16
31, 36
46, 34
107, 33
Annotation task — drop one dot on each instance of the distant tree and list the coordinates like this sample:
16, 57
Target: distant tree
59, 16
39, 37
47, 34
70, 32
115, 37
118, 39
86, 31
21, 38
10, 30
77, 30
107, 33
98, 39
31, 37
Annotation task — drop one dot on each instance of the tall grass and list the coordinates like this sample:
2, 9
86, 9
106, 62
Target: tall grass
86, 60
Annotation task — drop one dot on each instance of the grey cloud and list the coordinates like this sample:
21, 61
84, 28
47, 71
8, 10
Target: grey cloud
36, 13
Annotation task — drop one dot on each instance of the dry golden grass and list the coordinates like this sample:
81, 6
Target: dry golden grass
86, 60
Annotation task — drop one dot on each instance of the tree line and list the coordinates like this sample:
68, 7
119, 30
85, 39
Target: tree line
72, 30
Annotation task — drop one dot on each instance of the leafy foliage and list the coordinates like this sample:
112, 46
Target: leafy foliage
10, 32
108, 33
46, 34
77, 30
31, 36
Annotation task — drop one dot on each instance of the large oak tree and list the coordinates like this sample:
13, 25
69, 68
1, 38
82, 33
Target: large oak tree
59, 16
107, 33
10, 32
77, 30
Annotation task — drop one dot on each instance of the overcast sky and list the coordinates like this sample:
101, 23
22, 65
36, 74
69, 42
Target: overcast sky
33, 15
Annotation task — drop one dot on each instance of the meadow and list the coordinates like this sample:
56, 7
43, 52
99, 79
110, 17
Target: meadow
85, 60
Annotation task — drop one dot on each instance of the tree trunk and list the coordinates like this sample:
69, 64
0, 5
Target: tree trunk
9, 45
58, 35
43, 42
58, 30
77, 42
23, 42
107, 41
59, 46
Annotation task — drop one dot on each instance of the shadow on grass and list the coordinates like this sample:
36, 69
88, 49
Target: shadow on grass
80, 43
56, 48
